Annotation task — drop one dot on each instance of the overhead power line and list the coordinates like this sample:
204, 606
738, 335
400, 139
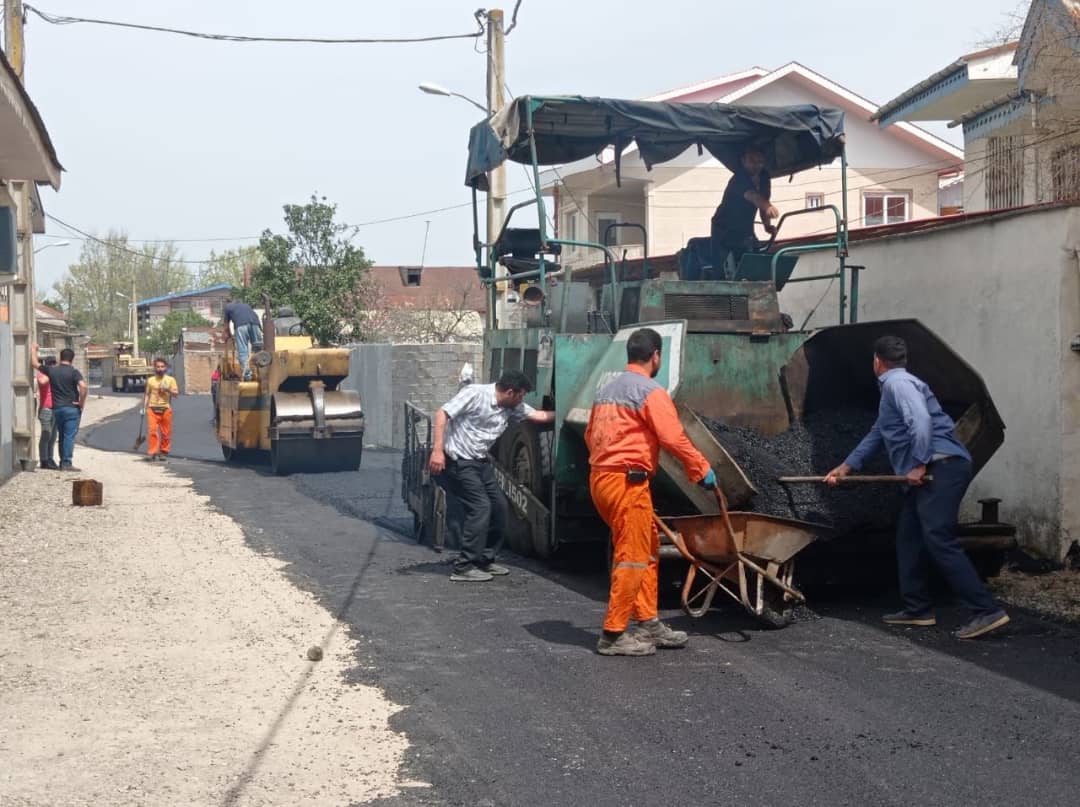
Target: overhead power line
59, 19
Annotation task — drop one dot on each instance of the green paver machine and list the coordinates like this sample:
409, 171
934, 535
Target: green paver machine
729, 353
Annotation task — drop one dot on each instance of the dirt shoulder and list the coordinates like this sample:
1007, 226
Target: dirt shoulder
148, 656
1055, 594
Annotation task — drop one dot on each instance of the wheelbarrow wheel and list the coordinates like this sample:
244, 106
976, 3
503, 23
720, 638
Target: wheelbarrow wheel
776, 610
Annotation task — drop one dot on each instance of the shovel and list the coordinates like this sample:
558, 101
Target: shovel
142, 436
799, 480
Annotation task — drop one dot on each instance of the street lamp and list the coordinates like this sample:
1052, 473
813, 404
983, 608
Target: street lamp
496, 194
56, 244
435, 89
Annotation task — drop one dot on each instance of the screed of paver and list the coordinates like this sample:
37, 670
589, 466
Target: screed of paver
149, 656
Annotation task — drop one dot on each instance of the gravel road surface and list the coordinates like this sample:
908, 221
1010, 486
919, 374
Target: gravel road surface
148, 656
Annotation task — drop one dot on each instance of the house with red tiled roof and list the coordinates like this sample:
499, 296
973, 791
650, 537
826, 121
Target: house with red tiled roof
894, 175
425, 304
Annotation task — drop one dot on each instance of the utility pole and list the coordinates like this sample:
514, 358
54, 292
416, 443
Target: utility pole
23, 323
496, 195
134, 319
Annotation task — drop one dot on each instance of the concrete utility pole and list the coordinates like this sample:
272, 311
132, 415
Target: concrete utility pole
23, 323
134, 319
496, 196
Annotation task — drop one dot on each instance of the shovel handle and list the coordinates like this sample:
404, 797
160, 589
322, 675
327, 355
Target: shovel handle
799, 480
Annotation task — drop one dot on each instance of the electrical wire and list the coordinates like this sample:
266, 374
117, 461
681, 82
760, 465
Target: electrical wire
513, 18
87, 236
58, 19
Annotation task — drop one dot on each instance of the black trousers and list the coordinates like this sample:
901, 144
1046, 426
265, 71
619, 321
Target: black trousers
926, 532
481, 511
725, 243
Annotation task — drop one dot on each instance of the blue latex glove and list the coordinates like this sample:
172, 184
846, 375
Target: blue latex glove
709, 482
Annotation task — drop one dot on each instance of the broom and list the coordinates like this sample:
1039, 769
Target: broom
142, 436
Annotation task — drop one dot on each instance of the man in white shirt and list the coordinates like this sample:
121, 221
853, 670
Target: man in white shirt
465, 429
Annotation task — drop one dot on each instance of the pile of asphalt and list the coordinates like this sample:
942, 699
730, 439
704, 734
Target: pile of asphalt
813, 448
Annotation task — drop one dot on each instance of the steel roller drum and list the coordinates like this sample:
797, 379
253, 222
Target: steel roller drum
316, 431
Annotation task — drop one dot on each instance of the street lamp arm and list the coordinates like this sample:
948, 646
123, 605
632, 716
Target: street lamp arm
436, 89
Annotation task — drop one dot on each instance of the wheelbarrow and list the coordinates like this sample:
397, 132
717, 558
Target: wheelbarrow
748, 556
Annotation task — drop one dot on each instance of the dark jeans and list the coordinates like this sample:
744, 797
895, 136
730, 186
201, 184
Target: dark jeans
480, 518
927, 531
47, 441
724, 244
67, 425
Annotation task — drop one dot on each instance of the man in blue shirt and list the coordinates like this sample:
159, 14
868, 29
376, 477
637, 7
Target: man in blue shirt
920, 440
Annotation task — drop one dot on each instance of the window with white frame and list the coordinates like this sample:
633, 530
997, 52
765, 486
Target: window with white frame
885, 207
603, 221
815, 200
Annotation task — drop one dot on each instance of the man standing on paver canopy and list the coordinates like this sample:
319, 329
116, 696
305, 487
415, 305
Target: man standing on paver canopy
921, 442
465, 430
69, 397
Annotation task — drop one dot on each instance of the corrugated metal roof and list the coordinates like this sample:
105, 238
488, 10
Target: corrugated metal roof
189, 293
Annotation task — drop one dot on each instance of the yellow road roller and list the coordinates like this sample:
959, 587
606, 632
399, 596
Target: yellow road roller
292, 408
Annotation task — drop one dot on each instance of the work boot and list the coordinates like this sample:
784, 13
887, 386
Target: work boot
625, 644
151, 457
983, 624
495, 569
659, 634
67, 466
163, 456
471, 575
925, 620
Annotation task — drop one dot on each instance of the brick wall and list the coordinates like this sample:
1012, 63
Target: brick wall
192, 371
427, 375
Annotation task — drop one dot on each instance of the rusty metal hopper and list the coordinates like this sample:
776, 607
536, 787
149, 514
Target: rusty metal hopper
834, 369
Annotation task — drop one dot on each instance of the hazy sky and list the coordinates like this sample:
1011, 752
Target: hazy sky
174, 138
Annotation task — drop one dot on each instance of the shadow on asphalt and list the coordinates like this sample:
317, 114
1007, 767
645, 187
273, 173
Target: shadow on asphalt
559, 631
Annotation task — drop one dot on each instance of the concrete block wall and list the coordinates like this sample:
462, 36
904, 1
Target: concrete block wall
192, 371
386, 376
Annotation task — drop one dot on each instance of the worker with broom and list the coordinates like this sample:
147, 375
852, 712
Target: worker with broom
157, 403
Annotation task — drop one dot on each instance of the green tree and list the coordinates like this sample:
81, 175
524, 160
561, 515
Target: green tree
228, 267
97, 289
163, 336
315, 269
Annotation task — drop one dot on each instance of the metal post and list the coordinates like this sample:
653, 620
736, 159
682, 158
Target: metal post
496, 195
21, 300
134, 319
842, 247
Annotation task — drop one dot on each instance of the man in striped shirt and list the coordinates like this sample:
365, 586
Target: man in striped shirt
465, 430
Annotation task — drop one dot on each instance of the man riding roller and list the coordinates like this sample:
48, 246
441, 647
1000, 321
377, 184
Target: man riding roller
632, 418
748, 193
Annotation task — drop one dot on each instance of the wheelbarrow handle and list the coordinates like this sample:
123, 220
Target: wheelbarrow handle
887, 478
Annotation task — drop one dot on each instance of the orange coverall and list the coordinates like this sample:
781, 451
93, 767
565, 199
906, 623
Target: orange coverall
159, 415
632, 418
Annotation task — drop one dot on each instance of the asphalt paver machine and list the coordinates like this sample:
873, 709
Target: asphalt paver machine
730, 355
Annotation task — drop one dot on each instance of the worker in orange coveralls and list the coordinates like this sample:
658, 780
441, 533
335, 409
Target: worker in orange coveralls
632, 418
157, 401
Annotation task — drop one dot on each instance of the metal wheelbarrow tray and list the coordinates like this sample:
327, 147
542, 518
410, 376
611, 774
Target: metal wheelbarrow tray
748, 556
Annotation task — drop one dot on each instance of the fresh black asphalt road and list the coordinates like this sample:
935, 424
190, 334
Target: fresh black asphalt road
505, 702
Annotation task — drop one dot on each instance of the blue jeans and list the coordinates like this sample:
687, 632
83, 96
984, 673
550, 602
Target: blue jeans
67, 426
47, 442
246, 336
927, 531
